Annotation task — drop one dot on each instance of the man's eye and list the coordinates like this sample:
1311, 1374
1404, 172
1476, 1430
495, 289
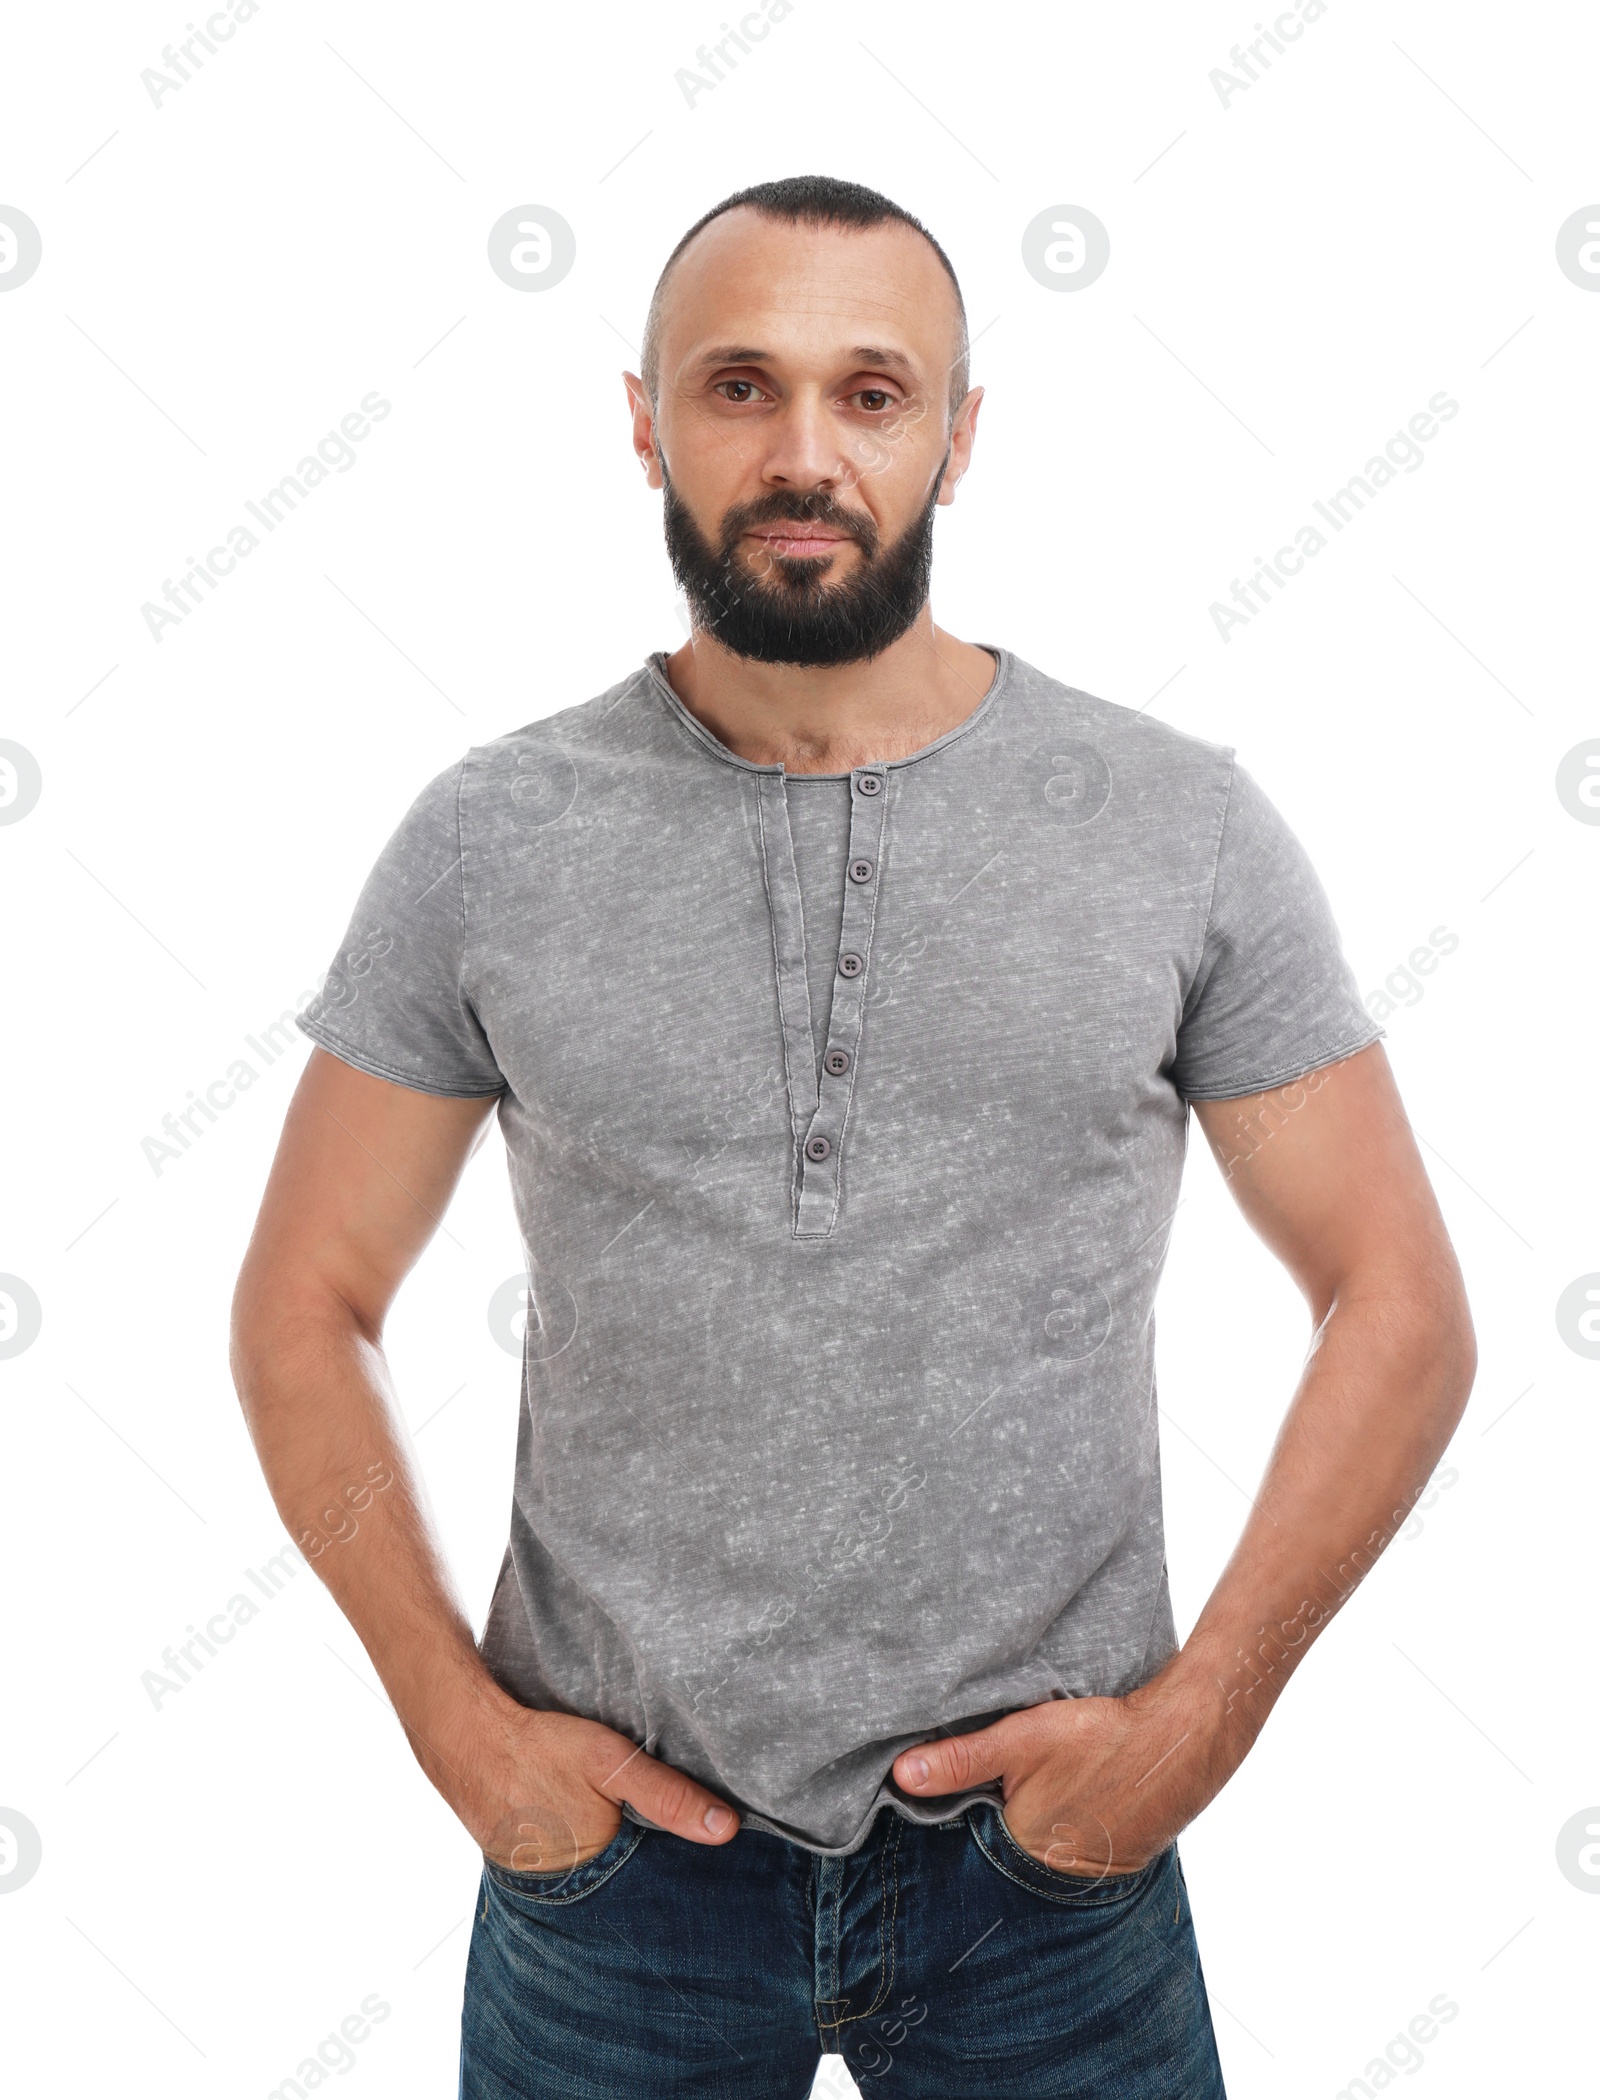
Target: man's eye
875, 399
738, 390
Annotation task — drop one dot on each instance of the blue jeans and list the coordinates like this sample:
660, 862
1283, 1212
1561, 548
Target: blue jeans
941, 1961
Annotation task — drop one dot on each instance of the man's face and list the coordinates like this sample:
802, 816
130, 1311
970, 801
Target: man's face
802, 432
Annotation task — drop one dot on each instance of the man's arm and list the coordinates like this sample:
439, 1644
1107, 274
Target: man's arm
1328, 1174
364, 1171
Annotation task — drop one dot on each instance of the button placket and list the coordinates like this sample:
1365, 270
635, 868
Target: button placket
819, 1171
788, 950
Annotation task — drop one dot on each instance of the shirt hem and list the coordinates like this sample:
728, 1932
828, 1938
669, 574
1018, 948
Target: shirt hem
950, 1809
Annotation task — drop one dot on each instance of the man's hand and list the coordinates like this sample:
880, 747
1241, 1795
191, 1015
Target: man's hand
1094, 1787
541, 1792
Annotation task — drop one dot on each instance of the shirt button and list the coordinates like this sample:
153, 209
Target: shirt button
837, 1062
817, 1148
861, 871
870, 784
850, 964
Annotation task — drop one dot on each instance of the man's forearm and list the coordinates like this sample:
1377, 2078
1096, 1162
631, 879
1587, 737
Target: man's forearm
317, 1397
1389, 1373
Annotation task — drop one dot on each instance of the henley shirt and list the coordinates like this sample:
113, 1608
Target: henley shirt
844, 1180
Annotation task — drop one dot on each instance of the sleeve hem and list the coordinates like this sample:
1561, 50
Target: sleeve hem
377, 1069
1283, 1075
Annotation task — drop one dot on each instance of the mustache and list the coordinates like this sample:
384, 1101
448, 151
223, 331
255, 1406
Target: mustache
814, 507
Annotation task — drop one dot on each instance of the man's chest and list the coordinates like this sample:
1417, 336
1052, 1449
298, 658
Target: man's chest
642, 971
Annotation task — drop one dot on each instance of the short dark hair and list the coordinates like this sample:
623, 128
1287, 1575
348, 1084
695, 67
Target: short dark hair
811, 200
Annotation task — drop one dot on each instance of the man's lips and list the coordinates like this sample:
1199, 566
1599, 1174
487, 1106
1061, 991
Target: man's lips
799, 540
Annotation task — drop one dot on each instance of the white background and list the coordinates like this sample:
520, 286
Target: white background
1298, 272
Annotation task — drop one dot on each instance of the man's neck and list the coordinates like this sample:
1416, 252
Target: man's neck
830, 720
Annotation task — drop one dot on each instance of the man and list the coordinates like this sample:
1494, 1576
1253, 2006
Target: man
842, 988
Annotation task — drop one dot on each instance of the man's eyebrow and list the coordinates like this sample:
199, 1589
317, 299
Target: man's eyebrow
881, 360
730, 354
871, 356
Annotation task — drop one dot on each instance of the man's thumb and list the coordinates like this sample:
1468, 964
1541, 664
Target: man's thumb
671, 1799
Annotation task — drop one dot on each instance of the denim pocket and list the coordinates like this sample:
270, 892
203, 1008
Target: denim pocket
992, 1835
569, 1884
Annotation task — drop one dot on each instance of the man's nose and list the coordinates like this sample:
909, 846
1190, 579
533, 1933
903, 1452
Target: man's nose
804, 450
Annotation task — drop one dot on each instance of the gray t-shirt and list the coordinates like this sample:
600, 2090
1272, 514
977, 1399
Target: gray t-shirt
838, 1423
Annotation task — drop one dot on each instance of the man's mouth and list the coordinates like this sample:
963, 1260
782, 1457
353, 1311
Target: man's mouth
798, 540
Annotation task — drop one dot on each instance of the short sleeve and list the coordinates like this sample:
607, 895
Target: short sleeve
392, 1002
1273, 996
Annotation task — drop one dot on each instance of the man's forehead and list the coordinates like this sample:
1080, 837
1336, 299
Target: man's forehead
753, 284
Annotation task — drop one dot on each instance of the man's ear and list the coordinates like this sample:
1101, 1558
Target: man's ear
644, 428
963, 432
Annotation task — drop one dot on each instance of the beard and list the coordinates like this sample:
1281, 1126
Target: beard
780, 609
